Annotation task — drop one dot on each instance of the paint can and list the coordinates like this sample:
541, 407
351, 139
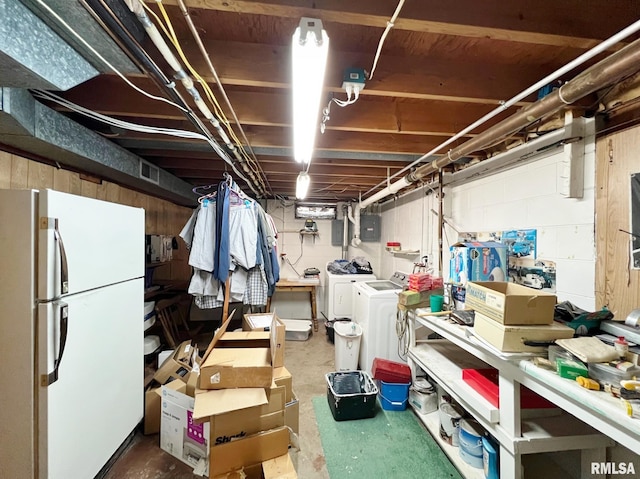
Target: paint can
470, 442
450, 416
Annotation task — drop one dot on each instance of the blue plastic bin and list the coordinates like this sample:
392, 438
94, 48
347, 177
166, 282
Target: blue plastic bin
394, 396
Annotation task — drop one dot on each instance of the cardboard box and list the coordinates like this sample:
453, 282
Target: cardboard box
415, 298
282, 377
510, 338
510, 303
241, 367
177, 365
152, 405
228, 421
248, 451
268, 322
478, 261
280, 467
180, 436
292, 414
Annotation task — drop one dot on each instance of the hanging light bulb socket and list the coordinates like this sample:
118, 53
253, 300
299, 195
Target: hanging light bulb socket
302, 185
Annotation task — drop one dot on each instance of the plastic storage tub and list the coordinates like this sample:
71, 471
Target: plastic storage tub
390, 371
394, 396
485, 381
351, 395
296, 329
613, 372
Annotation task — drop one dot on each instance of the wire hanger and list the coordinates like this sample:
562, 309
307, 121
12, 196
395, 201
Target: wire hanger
204, 187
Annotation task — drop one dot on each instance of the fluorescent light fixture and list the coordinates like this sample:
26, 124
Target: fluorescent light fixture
309, 49
302, 185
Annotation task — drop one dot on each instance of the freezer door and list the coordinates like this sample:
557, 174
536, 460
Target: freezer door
86, 243
90, 378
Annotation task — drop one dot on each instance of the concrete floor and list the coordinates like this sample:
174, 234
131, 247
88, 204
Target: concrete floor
308, 361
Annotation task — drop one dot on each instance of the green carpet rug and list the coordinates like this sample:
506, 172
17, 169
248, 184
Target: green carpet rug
391, 445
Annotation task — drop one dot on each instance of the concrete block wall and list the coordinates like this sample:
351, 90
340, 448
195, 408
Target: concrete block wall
525, 196
313, 252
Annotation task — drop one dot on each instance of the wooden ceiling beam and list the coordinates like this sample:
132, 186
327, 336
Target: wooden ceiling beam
375, 115
548, 22
342, 141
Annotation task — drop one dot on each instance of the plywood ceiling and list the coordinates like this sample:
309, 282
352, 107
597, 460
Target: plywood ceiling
442, 66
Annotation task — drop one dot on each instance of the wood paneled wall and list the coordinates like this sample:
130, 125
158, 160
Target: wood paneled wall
617, 286
161, 216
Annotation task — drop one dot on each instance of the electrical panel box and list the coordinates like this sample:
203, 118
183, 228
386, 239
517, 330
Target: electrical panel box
370, 228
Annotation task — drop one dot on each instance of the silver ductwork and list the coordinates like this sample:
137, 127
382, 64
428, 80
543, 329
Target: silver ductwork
32, 127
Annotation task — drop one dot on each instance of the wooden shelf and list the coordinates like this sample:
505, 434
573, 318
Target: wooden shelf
404, 252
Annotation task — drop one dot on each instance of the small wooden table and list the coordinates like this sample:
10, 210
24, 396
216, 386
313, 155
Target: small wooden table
301, 286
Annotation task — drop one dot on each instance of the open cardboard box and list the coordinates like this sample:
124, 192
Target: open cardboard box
280, 467
177, 365
240, 366
240, 412
251, 450
180, 436
256, 323
510, 303
152, 398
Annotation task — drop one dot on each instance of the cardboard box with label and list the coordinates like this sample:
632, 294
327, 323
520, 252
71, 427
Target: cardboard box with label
280, 467
177, 365
510, 303
152, 405
225, 367
250, 450
478, 261
514, 338
180, 436
239, 413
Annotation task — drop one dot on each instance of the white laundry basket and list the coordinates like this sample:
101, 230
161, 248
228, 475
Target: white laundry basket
347, 341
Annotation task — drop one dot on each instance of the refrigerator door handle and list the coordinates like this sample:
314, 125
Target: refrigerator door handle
64, 266
52, 377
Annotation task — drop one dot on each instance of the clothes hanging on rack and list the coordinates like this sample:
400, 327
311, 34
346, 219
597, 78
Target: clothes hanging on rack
230, 235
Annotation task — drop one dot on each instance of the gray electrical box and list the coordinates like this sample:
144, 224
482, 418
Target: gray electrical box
370, 228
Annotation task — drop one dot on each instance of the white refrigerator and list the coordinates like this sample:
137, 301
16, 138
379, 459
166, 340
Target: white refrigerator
71, 332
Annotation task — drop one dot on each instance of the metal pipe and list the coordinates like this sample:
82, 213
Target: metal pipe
345, 232
610, 70
588, 55
440, 223
106, 17
207, 59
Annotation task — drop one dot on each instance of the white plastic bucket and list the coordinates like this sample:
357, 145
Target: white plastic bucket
347, 341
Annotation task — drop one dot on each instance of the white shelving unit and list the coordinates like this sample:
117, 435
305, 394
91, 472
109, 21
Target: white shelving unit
444, 359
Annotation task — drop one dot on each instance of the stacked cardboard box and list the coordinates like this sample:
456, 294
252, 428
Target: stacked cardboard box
511, 317
231, 414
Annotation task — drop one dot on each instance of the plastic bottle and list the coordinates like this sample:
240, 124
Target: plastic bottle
622, 346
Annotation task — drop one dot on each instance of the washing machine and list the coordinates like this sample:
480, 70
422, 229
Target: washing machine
338, 293
375, 304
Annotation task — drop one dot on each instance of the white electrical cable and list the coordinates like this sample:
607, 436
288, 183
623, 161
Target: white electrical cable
605, 45
390, 24
104, 60
135, 126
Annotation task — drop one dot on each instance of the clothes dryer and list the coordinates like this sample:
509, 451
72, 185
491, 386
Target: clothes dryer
338, 293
